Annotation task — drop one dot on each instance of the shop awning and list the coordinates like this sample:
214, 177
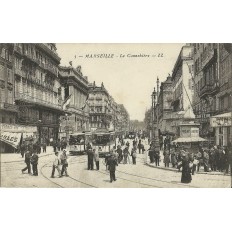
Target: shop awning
189, 140
11, 138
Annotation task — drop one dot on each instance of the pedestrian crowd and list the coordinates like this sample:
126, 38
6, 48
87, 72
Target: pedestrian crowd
117, 155
215, 158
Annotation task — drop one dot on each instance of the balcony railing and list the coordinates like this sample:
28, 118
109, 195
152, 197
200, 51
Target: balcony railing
50, 68
7, 106
208, 89
29, 98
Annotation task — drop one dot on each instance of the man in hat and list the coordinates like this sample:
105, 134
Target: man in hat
90, 158
96, 157
34, 163
55, 165
64, 163
112, 163
27, 161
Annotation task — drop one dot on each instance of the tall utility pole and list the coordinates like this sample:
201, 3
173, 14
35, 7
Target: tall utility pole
153, 115
157, 116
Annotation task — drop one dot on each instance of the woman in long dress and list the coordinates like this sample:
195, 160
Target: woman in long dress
186, 170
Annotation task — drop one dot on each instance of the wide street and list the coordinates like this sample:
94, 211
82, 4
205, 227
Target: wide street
140, 175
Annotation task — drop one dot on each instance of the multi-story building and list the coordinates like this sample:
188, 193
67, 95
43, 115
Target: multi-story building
75, 86
37, 88
182, 83
206, 86
104, 112
99, 107
221, 121
164, 105
8, 110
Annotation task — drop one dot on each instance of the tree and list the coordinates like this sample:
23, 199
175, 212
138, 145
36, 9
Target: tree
147, 120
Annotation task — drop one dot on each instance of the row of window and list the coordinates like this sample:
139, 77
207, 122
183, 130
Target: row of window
6, 55
9, 73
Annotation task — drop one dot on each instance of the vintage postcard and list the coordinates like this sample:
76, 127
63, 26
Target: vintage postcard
116, 115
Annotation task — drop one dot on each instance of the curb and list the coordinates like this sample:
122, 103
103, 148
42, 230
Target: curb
175, 170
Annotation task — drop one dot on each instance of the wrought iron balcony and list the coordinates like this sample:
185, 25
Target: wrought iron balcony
209, 89
31, 99
8, 107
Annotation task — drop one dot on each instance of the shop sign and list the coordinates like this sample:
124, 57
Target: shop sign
11, 138
194, 132
220, 121
185, 131
17, 128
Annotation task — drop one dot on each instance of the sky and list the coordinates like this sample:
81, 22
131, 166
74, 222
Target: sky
128, 71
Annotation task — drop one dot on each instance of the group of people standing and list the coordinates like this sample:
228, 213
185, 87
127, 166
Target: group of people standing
93, 155
214, 158
116, 156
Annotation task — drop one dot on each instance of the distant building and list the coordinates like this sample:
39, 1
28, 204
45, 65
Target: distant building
99, 107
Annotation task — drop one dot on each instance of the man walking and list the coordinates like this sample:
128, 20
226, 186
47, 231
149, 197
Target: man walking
27, 161
112, 163
55, 165
22, 149
120, 156
44, 147
90, 158
125, 154
134, 155
96, 157
64, 163
157, 158
34, 163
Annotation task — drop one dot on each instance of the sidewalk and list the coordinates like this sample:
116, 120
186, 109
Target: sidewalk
16, 157
170, 168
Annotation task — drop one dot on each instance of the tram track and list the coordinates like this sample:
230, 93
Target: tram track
132, 180
70, 177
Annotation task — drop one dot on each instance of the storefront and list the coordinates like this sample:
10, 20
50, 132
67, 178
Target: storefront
12, 135
223, 126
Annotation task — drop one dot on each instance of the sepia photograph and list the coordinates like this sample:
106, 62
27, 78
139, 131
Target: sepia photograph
110, 115
115, 115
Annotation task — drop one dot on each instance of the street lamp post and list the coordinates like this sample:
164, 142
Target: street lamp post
153, 113
66, 128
